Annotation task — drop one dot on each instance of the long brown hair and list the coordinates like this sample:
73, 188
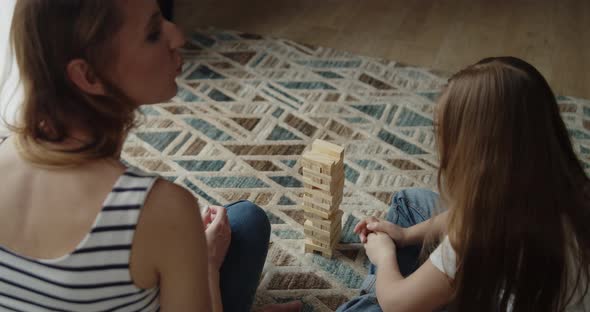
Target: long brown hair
519, 217
46, 35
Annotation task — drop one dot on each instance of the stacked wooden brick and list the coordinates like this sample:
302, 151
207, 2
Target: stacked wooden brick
323, 180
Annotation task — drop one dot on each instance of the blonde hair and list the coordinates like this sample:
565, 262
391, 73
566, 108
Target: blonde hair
46, 35
517, 192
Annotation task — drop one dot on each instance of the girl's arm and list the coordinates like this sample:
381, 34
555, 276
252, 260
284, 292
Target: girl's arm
426, 289
415, 235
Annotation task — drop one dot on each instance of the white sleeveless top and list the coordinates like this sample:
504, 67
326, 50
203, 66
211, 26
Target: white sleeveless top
95, 276
444, 259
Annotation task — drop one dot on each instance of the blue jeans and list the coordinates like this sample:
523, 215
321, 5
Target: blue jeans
408, 207
242, 266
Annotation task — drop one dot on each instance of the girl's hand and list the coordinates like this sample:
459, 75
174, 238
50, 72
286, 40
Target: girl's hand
361, 228
396, 232
380, 248
372, 225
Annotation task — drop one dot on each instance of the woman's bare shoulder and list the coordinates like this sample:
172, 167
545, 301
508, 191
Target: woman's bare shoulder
170, 212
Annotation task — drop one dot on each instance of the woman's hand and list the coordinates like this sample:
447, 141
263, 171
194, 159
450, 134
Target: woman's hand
380, 248
217, 234
372, 225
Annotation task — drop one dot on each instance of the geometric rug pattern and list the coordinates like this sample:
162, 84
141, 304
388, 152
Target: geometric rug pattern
249, 106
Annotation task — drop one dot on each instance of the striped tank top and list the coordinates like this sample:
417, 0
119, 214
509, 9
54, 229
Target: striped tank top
95, 276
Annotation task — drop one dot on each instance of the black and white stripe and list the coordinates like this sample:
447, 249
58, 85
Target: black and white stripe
95, 277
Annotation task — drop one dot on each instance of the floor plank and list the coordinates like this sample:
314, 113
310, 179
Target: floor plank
553, 35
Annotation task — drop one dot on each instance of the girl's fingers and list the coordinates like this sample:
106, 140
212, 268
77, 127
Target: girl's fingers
359, 226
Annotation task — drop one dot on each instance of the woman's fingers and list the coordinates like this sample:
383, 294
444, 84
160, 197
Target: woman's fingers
206, 216
219, 215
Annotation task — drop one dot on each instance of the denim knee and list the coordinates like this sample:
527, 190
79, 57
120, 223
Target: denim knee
413, 194
412, 205
252, 217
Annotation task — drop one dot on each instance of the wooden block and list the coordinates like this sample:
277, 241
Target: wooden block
328, 188
323, 178
328, 148
316, 233
312, 157
317, 206
311, 213
321, 163
312, 187
317, 203
320, 235
310, 247
328, 178
329, 224
329, 201
331, 244
319, 158
319, 215
326, 197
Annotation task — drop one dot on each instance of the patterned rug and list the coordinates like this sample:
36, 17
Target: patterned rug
246, 109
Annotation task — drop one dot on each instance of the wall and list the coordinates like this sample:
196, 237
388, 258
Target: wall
10, 90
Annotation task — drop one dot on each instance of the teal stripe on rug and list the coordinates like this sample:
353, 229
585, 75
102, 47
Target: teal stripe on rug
285, 94
408, 118
280, 100
187, 96
307, 85
204, 72
289, 162
373, 110
208, 129
281, 134
329, 75
403, 145
348, 234
578, 134
350, 174
278, 112
286, 201
181, 144
274, 219
233, 182
201, 165
288, 234
148, 110
217, 95
159, 140
369, 164
200, 192
202, 39
339, 270
287, 181
331, 64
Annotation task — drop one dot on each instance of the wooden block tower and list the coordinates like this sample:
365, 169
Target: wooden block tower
323, 180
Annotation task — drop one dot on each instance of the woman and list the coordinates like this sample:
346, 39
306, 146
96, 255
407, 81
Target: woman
515, 237
80, 231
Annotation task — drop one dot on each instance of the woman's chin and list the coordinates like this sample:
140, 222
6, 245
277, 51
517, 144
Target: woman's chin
158, 100
164, 96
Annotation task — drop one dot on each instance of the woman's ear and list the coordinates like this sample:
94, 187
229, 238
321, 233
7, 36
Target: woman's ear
84, 77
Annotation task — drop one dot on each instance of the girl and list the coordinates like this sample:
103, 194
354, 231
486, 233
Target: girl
516, 235
80, 231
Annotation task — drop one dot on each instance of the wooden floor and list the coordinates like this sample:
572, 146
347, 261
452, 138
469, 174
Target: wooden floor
553, 35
